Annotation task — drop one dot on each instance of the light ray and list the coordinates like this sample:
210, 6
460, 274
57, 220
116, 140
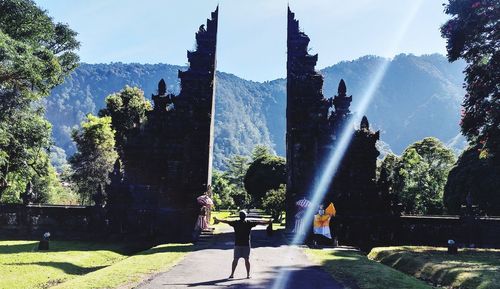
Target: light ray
333, 161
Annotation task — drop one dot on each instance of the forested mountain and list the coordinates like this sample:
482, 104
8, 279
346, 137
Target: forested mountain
419, 96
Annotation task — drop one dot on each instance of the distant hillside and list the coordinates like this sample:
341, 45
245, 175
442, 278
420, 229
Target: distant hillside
418, 97
242, 114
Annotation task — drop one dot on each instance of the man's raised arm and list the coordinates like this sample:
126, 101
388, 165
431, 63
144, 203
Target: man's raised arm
222, 221
270, 221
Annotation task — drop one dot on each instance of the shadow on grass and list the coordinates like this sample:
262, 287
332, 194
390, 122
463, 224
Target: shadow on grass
68, 268
355, 270
347, 261
452, 275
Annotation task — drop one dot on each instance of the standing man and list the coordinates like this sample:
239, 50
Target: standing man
242, 228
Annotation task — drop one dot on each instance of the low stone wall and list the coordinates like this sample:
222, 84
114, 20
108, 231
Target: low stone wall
32, 221
92, 223
79, 222
367, 232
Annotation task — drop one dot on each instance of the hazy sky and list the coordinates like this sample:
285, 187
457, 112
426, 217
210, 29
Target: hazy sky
252, 33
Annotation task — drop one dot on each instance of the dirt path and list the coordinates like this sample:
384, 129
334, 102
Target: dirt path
274, 266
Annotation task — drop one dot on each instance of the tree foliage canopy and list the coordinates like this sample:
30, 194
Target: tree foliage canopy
473, 35
237, 167
127, 110
266, 172
95, 157
274, 202
223, 191
35, 55
418, 177
477, 176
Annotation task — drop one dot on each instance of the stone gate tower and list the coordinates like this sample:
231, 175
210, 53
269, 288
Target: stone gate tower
168, 159
306, 115
314, 123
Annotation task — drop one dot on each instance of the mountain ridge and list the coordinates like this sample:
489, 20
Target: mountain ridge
419, 96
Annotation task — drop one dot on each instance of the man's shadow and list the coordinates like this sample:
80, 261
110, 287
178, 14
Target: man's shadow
211, 282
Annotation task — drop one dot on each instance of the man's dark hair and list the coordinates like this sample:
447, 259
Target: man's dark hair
243, 215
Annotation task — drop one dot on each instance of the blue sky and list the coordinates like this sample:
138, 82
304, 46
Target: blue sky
252, 33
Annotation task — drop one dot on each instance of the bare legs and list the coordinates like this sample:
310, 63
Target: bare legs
235, 263
247, 264
233, 267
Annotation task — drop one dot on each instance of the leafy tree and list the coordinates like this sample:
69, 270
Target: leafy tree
387, 177
42, 185
94, 159
222, 191
48, 188
414, 183
235, 174
237, 167
274, 202
260, 151
439, 157
35, 55
24, 139
418, 177
241, 198
127, 110
472, 34
477, 176
387, 168
68, 192
265, 173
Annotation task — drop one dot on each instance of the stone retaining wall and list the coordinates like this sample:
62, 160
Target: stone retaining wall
93, 223
32, 221
369, 232
79, 222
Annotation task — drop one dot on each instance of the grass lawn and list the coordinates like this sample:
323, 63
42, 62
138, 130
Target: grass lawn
470, 268
220, 215
355, 271
23, 267
131, 270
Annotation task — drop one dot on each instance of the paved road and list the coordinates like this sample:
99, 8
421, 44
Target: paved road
274, 266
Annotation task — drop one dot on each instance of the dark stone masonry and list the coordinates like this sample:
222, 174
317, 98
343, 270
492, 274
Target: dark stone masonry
314, 126
168, 160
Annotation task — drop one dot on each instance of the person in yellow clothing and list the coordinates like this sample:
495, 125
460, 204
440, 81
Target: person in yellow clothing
321, 225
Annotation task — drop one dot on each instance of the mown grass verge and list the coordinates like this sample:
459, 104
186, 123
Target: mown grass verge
469, 269
22, 266
355, 271
74, 264
132, 270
